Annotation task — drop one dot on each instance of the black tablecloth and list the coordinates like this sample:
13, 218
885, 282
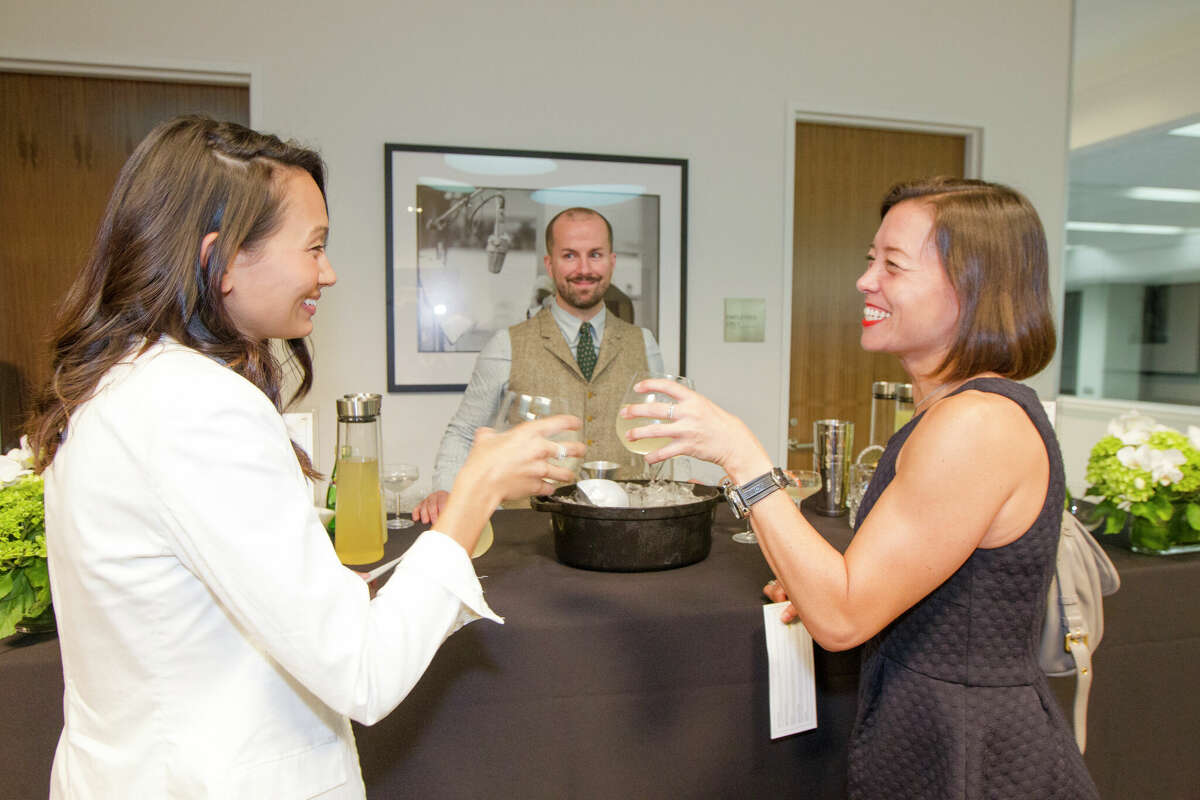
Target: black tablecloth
605, 685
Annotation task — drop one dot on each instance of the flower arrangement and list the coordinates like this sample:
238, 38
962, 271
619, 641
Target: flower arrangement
1151, 473
24, 579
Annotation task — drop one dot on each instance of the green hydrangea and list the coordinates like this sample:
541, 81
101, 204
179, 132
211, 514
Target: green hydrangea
1152, 473
24, 579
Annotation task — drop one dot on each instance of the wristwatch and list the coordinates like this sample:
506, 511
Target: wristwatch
740, 498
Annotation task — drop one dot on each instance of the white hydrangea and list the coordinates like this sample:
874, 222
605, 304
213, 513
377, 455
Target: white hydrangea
1163, 465
1134, 428
1194, 435
16, 462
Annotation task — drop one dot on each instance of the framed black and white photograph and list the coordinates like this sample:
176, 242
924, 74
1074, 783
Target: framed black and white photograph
466, 237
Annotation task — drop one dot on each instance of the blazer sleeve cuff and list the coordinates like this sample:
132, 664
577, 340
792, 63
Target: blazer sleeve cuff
442, 560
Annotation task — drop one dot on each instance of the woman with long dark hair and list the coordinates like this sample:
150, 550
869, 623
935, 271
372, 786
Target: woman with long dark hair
212, 644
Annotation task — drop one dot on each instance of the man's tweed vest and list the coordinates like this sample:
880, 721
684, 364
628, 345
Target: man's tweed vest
542, 364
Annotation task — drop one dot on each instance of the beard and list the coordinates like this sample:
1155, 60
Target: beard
583, 298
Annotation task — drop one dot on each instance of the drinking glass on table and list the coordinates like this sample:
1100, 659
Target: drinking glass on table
396, 478
806, 483
860, 478
634, 397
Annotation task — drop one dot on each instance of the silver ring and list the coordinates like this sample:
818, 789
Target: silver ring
562, 452
671, 412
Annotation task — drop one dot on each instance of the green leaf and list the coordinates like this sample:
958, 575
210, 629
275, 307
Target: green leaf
6, 583
1193, 515
1115, 522
38, 574
1149, 535
1163, 509
17, 604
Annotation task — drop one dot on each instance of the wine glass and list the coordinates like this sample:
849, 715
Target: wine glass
807, 482
396, 478
633, 397
516, 407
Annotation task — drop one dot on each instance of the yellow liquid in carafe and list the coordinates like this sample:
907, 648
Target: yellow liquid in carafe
358, 538
642, 446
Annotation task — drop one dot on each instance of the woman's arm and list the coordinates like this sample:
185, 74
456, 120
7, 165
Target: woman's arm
235, 510
968, 476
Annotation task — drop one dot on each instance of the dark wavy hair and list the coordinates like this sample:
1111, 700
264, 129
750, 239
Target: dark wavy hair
993, 248
145, 277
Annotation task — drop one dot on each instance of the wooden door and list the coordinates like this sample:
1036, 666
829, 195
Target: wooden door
842, 174
62, 142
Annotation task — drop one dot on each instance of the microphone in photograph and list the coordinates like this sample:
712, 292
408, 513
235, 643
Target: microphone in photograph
498, 243
497, 246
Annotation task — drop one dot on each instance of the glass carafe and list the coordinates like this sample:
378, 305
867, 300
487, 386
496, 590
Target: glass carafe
904, 404
358, 536
883, 411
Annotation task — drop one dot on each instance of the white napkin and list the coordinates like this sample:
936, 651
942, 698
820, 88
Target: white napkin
793, 687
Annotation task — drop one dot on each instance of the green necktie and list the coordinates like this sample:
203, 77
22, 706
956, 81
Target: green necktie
585, 351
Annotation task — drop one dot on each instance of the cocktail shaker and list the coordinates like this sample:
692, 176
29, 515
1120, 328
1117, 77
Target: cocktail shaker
833, 442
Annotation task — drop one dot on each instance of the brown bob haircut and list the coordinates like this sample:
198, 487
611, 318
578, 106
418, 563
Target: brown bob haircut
993, 247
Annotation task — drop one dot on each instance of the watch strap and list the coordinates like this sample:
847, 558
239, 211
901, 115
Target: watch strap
740, 498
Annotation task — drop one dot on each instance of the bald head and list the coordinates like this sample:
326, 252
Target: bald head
574, 214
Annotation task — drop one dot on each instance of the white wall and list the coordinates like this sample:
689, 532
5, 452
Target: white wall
711, 83
1146, 83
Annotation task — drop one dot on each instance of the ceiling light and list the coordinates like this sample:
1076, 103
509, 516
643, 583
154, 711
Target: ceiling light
1120, 227
1163, 194
1187, 130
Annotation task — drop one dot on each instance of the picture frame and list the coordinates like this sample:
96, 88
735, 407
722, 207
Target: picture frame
465, 241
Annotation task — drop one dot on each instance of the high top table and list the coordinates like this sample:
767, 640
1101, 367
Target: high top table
654, 685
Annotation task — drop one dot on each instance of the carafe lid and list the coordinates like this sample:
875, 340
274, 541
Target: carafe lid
883, 390
904, 392
359, 407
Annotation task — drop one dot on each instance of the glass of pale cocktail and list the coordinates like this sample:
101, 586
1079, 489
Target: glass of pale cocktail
634, 397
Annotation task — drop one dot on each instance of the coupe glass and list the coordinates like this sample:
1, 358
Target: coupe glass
396, 478
807, 483
632, 397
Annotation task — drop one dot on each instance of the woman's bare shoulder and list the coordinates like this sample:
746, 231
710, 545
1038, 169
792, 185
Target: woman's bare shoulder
973, 427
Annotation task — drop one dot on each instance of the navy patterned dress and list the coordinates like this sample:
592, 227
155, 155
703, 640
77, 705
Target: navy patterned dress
952, 702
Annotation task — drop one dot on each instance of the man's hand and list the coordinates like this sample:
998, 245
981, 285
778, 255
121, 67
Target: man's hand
431, 508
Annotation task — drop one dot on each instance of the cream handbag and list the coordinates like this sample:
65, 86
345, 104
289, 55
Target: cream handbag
1074, 622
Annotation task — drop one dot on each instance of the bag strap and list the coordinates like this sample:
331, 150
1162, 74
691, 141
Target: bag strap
1076, 643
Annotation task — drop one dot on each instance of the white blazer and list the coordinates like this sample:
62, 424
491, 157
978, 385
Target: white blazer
212, 644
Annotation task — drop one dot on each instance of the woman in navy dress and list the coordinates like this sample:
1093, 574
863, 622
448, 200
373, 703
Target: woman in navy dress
946, 578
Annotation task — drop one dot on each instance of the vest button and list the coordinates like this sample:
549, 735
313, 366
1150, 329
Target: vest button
590, 418
590, 442
591, 395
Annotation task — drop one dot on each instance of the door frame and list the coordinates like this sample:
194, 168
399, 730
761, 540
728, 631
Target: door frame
972, 168
220, 74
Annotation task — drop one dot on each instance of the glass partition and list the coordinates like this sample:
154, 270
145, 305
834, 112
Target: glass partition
1131, 321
